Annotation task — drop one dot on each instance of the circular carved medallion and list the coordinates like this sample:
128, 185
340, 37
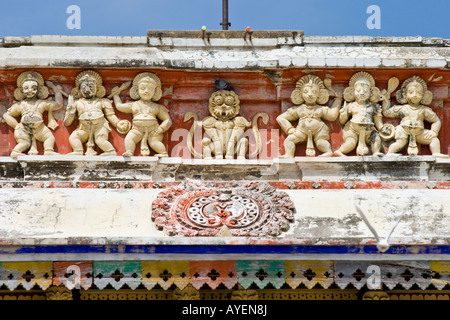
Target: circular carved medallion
246, 209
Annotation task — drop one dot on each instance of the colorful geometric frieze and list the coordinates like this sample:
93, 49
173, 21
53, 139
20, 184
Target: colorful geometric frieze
117, 274
248, 274
440, 271
406, 274
357, 274
260, 273
212, 273
375, 273
73, 274
309, 273
242, 209
26, 274
165, 274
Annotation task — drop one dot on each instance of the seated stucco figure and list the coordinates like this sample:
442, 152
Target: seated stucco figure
225, 128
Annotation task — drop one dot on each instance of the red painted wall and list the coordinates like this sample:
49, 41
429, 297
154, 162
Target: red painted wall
185, 90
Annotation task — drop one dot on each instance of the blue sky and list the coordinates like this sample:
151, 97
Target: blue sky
316, 17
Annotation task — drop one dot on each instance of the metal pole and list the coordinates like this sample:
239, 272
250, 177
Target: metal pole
225, 22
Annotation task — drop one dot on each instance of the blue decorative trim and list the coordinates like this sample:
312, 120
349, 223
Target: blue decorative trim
222, 249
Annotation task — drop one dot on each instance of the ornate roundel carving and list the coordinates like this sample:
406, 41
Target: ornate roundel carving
245, 209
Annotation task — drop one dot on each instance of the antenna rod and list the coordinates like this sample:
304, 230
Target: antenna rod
225, 22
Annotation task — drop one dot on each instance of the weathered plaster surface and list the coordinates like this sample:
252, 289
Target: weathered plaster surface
423, 214
317, 169
61, 213
191, 50
322, 217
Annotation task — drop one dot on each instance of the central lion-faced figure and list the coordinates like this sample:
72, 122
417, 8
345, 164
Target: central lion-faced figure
225, 129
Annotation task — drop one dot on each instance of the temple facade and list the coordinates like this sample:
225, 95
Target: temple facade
224, 165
